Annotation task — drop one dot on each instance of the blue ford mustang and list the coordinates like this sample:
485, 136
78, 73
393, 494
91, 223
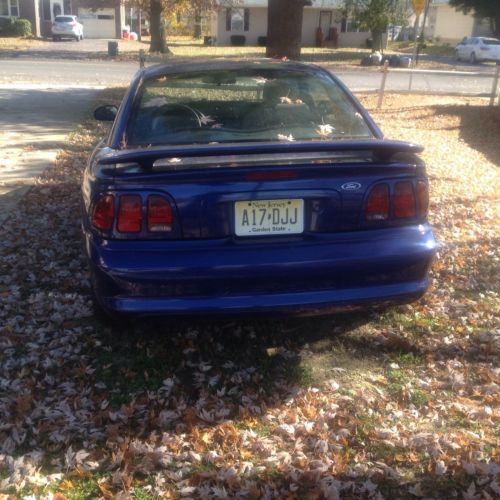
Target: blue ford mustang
245, 187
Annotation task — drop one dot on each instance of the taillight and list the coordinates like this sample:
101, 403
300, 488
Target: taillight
160, 216
130, 214
422, 198
404, 200
73, 23
377, 207
104, 213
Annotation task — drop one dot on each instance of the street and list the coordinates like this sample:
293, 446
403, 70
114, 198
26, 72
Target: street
105, 73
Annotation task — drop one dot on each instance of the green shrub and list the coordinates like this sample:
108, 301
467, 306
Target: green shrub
12, 26
22, 27
238, 40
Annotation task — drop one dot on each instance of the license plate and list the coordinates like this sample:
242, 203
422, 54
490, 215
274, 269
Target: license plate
268, 217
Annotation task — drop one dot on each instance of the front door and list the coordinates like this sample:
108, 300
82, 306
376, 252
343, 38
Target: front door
325, 21
56, 9
59, 8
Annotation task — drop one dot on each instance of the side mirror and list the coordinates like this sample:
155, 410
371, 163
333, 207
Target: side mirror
105, 113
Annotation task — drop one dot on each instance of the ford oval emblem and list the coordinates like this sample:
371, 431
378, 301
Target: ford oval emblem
351, 186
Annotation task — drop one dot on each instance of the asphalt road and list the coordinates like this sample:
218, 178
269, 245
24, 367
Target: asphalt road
103, 73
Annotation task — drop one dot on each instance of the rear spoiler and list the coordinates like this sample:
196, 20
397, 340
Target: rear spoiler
149, 157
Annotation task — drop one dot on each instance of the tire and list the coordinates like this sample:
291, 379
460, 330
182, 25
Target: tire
55, 38
457, 56
77, 38
472, 58
102, 316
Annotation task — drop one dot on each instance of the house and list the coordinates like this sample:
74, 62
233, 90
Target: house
447, 24
100, 18
249, 18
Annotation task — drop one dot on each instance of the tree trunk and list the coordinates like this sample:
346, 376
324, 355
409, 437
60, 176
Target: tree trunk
377, 40
139, 24
496, 26
197, 24
284, 28
158, 37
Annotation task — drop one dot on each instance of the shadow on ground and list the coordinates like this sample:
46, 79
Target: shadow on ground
479, 127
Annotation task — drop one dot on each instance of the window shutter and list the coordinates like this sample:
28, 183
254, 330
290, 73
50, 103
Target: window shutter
228, 19
246, 22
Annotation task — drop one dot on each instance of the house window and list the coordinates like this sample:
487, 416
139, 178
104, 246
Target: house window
67, 6
237, 19
9, 8
4, 8
14, 8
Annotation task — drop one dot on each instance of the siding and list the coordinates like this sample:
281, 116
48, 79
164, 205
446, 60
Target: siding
449, 24
257, 27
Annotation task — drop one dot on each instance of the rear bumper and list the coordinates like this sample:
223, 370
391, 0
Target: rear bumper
217, 277
72, 33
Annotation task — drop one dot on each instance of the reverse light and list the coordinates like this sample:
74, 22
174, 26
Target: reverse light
160, 215
104, 213
404, 200
377, 207
130, 214
422, 198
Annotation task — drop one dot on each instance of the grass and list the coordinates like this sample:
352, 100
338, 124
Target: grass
400, 388
141, 493
429, 48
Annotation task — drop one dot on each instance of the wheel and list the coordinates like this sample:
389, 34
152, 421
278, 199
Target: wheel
472, 58
55, 38
81, 36
457, 56
77, 38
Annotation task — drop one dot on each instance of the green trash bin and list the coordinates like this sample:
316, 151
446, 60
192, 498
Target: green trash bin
112, 49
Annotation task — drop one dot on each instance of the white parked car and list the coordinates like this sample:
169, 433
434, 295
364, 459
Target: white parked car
67, 27
478, 48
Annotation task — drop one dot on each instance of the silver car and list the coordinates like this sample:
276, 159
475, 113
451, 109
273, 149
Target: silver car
67, 27
478, 48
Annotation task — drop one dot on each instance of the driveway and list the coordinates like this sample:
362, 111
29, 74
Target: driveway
34, 122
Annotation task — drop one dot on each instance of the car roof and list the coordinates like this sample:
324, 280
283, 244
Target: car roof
215, 64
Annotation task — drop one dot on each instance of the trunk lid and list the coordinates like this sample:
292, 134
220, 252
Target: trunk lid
217, 189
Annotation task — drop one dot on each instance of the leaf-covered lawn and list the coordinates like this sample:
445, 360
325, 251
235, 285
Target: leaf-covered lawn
396, 405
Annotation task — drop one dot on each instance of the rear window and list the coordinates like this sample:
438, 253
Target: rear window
491, 41
243, 106
64, 19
